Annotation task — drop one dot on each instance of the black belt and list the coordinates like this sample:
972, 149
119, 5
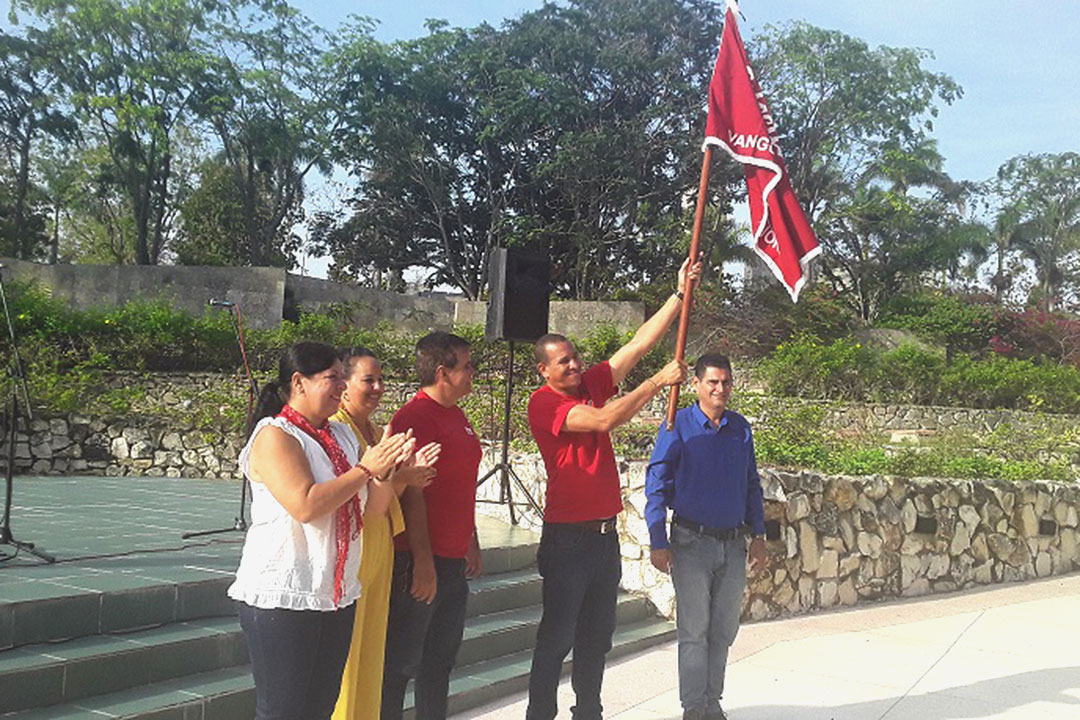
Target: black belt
598, 526
718, 533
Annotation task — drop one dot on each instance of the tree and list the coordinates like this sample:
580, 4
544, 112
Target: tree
214, 227
574, 130
879, 243
432, 165
857, 143
843, 105
134, 68
28, 109
273, 111
1043, 193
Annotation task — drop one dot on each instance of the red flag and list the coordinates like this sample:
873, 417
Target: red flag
740, 122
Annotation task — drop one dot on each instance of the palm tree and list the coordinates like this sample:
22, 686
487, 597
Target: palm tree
1004, 236
1044, 194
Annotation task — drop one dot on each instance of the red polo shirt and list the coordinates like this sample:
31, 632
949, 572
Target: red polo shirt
451, 496
583, 481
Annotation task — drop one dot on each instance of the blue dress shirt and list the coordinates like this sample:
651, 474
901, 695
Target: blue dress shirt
705, 473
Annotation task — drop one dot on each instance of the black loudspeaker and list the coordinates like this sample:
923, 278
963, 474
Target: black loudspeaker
517, 296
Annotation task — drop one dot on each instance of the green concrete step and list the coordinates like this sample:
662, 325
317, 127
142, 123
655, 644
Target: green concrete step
503, 633
51, 604
476, 684
52, 610
226, 694
504, 591
49, 674
510, 556
229, 694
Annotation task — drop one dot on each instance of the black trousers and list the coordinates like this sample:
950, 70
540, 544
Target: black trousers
297, 657
581, 570
422, 640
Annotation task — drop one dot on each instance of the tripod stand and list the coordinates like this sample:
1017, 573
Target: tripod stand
18, 379
504, 468
240, 521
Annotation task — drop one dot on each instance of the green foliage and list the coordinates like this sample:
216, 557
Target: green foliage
73, 349
1043, 192
844, 370
795, 435
807, 367
621, 80
956, 322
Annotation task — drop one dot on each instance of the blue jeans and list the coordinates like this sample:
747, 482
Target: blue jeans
709, 577
422, 640
581, 570
297, 657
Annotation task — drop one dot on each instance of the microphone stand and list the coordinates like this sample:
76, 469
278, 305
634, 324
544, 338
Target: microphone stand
18, 379
240, 523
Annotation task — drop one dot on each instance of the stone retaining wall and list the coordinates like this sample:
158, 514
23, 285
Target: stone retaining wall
885, 418
842, 540
839, 540
79, 445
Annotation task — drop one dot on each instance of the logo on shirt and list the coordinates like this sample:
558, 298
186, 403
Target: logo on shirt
469, 430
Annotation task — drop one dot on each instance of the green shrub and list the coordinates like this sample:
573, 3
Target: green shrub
807, 367
844, 370
961, 324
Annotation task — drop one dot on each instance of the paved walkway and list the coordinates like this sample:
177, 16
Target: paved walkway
1012, 651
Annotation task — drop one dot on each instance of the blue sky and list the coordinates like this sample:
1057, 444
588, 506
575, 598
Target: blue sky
1018, 62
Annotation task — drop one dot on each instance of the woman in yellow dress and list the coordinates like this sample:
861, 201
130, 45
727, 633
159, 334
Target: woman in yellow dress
361, 682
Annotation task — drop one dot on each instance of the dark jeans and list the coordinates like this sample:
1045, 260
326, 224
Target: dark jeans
297, 657
581, 570
422, 640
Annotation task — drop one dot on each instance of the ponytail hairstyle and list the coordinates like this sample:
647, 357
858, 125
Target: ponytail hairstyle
306, 358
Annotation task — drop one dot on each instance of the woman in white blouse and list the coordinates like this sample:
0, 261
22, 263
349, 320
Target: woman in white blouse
297, 579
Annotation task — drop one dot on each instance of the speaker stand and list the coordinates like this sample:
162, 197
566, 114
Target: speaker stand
504, 468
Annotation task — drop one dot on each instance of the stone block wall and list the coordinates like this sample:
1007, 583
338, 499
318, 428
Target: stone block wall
884, 418
80, 445
840, 541
266, 295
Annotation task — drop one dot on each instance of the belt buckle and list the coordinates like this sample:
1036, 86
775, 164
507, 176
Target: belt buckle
607, 526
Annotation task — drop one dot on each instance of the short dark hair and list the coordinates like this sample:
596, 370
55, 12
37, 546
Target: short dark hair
350, 355
713, 359
540, 346
435, 350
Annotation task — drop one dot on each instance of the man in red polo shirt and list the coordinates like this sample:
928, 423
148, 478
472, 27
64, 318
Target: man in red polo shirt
579, 558
438, 550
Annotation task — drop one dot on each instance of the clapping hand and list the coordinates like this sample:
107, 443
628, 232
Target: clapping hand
381, 458
418, 469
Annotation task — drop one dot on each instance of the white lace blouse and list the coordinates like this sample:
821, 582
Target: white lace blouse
288, 564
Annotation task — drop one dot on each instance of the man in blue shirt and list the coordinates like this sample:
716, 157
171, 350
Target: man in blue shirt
705, 472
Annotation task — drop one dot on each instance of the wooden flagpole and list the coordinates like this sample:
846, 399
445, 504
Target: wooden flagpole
688, 286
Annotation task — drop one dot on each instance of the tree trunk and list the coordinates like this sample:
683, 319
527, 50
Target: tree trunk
23, 246
161, 206
54, 245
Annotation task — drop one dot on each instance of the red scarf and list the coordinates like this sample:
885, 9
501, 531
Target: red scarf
349, 518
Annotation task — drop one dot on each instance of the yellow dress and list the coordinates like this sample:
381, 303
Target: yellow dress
361, 682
